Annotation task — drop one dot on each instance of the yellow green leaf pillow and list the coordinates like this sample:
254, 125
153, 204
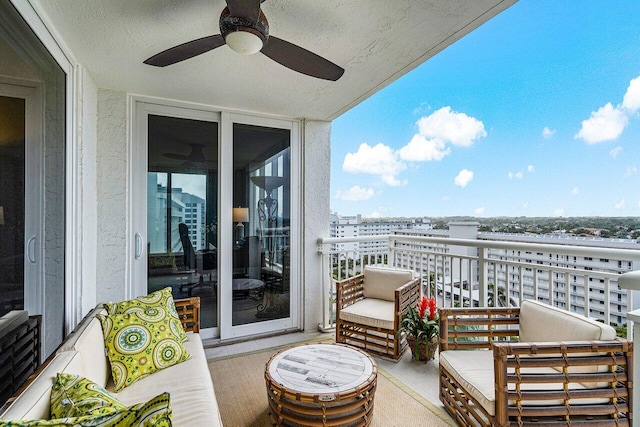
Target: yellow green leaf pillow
138, 346
156, 305
156, 412
74, 396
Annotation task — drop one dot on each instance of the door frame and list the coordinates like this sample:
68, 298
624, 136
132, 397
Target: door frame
137, 260
142, 107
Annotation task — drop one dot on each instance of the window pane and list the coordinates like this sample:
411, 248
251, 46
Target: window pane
182, 185
262, 198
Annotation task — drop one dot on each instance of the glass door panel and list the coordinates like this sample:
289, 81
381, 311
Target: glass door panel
261, 222
182, 205
12, 203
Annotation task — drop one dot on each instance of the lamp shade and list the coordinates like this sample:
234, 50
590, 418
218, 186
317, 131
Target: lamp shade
240, 215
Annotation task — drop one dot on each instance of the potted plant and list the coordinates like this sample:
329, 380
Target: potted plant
421, 327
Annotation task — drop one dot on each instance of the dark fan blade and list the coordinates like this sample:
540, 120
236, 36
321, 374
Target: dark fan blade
301, 60
185, 51
247, 9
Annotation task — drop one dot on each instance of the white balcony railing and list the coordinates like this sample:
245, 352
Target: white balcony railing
582, 279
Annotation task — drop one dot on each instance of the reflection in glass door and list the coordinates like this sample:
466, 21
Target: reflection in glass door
12, 203
182, 204
261, 221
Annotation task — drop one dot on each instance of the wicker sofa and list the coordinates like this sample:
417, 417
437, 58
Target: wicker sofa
193, 400
369, 308
536, 363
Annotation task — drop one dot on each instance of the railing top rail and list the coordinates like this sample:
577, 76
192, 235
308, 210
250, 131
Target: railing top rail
562, 249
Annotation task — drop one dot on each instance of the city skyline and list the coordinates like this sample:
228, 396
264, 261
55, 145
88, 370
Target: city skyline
535, 113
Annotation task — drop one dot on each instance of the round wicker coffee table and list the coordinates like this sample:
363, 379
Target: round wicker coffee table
321, 385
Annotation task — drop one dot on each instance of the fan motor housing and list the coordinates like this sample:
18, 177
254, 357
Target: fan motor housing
230, 24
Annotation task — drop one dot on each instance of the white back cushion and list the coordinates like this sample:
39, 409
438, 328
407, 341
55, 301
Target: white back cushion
88, 339
542, 322
33, 403
381, 283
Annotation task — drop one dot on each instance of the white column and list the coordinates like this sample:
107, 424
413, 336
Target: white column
631, 282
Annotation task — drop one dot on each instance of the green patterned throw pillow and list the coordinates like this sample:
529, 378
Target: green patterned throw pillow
156, 413
157, 305
74, 396
138, 345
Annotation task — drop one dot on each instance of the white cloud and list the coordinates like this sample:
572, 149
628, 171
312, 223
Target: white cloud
525, 205
558, 212
520, 174
631, 170
375, 214
392, 181
606, 124
451, 126
355, 194
575, 191
620, 205
615, 151
479, 211
547, 133
631, 100
446, 198
463, 178
377, 160
421, 149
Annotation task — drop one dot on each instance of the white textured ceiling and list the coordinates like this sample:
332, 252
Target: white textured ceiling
375, 41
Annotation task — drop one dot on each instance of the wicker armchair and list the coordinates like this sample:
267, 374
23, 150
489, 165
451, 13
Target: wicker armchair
369, 308
571, 371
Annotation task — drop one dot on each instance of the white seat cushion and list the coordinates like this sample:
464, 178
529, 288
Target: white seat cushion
9, 321
371, 312
189, 383
473, 370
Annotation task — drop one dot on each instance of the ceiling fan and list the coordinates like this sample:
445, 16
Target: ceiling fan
195, 156
244, 28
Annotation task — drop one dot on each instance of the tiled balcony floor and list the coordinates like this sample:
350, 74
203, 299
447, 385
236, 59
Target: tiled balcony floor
420, 377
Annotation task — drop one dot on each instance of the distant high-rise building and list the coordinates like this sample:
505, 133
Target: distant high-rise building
185, 208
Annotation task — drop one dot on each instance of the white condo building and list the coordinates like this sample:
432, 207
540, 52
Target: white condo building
462, 279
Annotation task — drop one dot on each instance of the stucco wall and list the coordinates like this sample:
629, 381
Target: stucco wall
111, 170
316, 209
111, 195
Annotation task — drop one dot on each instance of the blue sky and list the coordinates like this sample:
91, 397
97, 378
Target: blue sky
536, 113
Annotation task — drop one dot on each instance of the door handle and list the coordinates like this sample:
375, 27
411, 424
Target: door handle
139, 246
31, 250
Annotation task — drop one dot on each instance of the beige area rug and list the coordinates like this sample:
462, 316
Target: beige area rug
242, 396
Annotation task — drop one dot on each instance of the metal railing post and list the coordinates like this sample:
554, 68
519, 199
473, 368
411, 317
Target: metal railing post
482, 278
631, 282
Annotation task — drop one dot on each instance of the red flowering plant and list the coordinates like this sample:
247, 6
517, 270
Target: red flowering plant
421, 323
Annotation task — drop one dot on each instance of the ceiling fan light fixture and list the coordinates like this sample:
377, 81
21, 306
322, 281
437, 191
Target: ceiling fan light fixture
243, 36
244, 42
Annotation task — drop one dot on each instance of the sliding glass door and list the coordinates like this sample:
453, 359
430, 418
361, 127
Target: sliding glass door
182, 187
212, 216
